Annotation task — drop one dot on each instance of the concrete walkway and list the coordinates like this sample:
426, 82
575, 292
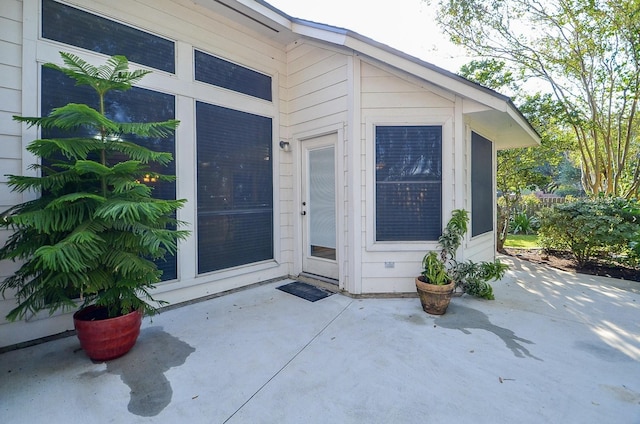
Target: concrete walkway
553, 348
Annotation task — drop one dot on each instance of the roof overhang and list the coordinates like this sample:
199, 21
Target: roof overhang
484, 108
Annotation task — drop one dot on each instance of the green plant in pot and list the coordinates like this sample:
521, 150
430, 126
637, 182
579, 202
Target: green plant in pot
434, 285
94, 232
442, 269
470, 277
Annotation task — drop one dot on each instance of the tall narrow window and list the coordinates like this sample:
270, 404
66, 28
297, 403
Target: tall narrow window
235, 188
481, 185
408, 183
132, 106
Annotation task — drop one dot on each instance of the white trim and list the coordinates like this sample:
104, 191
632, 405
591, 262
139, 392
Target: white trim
353, 269
298, 248
182, 85
371, 122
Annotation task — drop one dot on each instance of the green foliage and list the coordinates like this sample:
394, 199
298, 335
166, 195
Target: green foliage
522, 223
473, 277
433, 270
95, 229
602, 226
470, 277
587, 55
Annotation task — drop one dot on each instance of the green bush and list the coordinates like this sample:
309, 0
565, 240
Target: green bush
590, 228
521, 223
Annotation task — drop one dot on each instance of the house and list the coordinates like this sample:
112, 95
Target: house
303, 148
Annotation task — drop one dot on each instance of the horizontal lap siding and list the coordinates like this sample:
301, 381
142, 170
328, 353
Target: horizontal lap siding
317, 81
387, 95
317, 93
10, 104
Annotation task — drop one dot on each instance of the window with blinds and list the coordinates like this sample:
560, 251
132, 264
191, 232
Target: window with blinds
221, 73
85, 30
234, 188
481, 185
408, 183
129, 106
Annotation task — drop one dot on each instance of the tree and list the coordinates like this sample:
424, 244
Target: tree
588, 54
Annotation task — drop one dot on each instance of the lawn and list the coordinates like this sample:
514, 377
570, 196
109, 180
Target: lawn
522, 241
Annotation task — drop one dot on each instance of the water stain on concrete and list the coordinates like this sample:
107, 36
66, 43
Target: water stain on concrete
143, 368
464, 319
623, 393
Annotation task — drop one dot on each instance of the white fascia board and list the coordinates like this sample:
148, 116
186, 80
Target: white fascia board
278, 17
318, 33
439, 78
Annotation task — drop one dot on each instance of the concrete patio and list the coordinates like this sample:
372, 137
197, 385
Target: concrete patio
554, 347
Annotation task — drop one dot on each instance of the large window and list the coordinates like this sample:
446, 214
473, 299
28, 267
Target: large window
132, 106
481, 185
78, 28
235, 188
408, 183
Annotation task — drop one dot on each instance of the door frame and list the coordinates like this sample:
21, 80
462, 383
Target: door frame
297, 221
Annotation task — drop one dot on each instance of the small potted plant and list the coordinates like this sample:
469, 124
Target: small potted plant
444, 271
434, 285
94, 231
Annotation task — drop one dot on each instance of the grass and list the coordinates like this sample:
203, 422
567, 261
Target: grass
522, 241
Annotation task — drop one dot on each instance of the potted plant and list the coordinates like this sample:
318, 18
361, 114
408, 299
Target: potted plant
434, 285
439, 269
94, 232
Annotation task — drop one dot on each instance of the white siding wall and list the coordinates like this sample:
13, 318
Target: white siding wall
388, 98
317, 96
191, 26
10, 104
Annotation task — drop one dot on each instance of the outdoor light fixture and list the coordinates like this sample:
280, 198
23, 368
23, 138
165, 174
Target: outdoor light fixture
285, 145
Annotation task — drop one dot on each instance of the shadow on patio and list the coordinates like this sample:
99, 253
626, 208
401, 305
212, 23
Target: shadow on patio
553, 347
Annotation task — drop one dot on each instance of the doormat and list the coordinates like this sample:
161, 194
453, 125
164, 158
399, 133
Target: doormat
305, 291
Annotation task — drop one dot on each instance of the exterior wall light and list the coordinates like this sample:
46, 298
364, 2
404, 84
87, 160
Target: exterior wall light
285, 145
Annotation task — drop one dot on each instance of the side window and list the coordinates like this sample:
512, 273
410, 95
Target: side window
481, 185
81, 29
235, 187
408, 183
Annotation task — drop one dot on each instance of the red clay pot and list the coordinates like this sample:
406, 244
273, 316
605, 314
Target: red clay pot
102, 338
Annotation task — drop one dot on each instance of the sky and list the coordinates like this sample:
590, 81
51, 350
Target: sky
406, 25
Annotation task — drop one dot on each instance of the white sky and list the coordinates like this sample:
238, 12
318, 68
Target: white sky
407, 25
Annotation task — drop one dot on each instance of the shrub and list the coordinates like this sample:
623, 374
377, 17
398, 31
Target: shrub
521, 223
590, 227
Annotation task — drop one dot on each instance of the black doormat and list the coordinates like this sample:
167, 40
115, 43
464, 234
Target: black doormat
305, 291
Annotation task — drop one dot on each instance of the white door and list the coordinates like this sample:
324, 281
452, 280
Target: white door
318, 209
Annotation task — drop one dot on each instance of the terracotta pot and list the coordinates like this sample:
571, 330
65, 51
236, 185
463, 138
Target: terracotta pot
102, 338
434, 298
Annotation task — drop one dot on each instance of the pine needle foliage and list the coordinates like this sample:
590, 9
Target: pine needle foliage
95, 230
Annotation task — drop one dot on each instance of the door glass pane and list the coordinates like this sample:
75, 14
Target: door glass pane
322, 203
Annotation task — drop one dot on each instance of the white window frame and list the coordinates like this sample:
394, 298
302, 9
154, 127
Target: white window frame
37, 51
446, 122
